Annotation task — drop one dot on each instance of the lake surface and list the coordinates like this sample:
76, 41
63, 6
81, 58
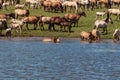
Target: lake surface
69, 60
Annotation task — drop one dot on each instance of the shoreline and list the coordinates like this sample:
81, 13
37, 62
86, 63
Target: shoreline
40, 38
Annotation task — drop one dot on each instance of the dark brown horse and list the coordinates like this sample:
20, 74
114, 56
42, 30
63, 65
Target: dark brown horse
62, 22
74, 18
3, 25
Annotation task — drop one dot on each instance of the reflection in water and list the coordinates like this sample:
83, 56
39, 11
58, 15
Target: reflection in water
69, 60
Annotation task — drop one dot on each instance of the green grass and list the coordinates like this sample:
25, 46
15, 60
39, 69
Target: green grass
85, 24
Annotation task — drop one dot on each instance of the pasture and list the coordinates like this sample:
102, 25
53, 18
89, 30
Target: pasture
85, 24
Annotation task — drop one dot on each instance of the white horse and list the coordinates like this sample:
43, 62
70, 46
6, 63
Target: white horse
71, 5
116, 35
114, 12
17, 25
84, 4
100, 14
102, 24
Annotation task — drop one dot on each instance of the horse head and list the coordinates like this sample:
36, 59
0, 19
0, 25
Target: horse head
109, 20
82, 14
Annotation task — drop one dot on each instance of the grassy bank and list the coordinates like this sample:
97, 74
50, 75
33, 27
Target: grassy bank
85, 24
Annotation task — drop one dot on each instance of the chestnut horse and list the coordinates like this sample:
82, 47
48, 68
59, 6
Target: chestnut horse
62, 22
31, 20
57, 6
74, 18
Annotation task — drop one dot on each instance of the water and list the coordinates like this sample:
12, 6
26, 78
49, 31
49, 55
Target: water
69, 60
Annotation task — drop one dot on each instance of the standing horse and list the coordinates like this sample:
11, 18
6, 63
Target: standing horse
57, 6
102, 24
117, 2
3, 25
71, 5
74, 18
21, 12
31, 20
116, 35
107, 3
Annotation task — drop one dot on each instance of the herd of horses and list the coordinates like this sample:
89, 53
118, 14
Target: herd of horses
21, 16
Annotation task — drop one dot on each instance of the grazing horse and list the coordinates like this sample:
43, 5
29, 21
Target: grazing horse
107, 3
86, 36
7, 15
31, 20
116, 35
74, 18
96, 34
21, 12
102, 24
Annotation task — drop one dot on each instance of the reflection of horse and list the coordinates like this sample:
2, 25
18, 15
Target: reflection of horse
102, 24
54, 39
74, 18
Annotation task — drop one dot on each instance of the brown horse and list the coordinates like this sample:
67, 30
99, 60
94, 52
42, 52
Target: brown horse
87, 36
62, 22
74, 18
31, 20
3, 25
57, 6
93, 3
21, 12
46, 5
7, 15
96, 34
44, 20
117, 2
107, 3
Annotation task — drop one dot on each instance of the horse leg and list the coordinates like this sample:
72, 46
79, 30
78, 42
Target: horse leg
27, 26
